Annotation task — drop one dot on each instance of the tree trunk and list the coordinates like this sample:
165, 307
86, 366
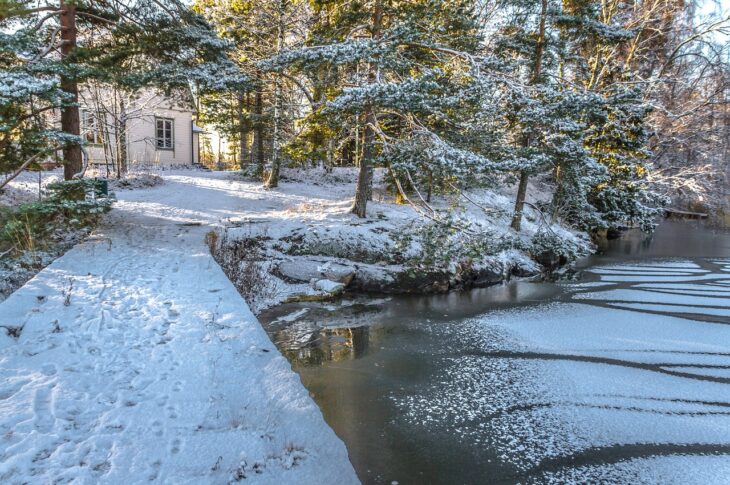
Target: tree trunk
520, 202
557, 176
106, 136
273, 180
242, 134
70, 123
363, 192
321, 80
537, 70
122, 153
259, 133
365, 174
330, 159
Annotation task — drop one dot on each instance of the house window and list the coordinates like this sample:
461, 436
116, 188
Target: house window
91, 128
164, 133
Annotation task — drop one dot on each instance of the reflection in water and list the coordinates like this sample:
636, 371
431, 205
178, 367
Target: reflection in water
308, 344
689, 239
620, 376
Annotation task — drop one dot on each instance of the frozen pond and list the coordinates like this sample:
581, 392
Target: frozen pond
621, 374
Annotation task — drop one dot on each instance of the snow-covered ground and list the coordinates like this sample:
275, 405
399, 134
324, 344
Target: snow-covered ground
27, 187
307, 234
132, 357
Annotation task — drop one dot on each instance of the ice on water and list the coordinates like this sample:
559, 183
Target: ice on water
627, 381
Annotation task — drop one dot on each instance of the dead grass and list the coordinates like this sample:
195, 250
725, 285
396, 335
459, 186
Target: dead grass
242, 260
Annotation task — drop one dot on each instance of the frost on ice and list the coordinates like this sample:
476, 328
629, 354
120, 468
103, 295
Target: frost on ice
628, 381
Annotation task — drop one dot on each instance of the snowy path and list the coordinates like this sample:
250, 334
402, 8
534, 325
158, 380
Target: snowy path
132, 359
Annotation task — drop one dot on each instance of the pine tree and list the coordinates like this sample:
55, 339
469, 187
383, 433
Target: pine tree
544, 122
535, 77
571, 115
257, 30
617, 134
29, 89
409, 55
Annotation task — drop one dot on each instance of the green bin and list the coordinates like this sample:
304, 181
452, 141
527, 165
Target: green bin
101, 188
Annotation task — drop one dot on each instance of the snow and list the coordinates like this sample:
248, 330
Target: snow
722, 312
662, 278
24, 188
136, 181
673, 470
328, 286
292, 317
132, 358
649, 296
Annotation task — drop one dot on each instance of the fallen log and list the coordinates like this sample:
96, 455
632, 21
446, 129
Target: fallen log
671, 213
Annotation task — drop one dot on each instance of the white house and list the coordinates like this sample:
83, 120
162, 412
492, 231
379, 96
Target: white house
144, 128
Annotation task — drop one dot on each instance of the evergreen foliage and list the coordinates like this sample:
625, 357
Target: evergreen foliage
398, 63
617, 133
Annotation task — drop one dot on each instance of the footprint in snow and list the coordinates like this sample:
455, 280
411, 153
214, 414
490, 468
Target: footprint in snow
155, 470
172, 412
157, 428
175, 446
42, 409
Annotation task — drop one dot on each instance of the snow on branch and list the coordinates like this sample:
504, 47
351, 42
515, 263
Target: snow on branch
423, 93
426, 148
348, 52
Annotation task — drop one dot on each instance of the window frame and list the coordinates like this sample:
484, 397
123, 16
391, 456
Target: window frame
163, 120
91, 130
